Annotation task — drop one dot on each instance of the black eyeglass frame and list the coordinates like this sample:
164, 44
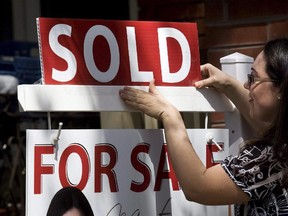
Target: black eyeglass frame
251, 79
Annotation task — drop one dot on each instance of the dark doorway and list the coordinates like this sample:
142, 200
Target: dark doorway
6, 23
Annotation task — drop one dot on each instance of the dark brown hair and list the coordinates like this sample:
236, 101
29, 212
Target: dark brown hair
276, 56
68, 198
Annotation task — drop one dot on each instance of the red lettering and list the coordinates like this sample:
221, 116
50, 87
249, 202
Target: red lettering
210, 148
141, 167
105, 160
165, 174
106, 169
63, 174
39, 168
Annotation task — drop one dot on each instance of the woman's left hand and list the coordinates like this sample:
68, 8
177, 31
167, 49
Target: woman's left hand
151, 103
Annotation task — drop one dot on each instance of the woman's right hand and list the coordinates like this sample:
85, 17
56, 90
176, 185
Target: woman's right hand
212, 77
152, 103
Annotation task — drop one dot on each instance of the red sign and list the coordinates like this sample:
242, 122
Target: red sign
109, 52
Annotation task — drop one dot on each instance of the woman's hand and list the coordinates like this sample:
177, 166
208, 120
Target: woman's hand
232, 88
151, 103
213, 77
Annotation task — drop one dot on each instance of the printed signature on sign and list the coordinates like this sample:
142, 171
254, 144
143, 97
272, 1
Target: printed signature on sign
117, 210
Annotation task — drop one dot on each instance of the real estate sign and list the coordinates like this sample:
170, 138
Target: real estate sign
110, 52
120, 171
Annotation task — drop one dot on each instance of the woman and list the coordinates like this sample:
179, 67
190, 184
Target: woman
69, 201
256, 179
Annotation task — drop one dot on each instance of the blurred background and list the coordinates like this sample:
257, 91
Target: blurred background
224, 26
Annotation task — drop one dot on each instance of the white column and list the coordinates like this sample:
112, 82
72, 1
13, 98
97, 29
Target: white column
238, 66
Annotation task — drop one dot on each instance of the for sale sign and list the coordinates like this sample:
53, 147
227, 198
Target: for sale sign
120, 172
109, 52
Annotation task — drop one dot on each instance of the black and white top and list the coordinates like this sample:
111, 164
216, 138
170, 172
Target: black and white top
258, 173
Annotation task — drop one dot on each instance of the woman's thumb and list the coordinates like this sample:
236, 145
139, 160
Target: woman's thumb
200, 84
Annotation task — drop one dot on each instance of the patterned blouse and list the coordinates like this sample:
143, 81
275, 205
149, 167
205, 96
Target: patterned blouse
257, 172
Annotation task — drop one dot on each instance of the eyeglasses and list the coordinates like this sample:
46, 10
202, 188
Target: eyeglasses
251, 79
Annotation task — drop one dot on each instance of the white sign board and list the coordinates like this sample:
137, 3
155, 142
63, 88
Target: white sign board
120, 171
